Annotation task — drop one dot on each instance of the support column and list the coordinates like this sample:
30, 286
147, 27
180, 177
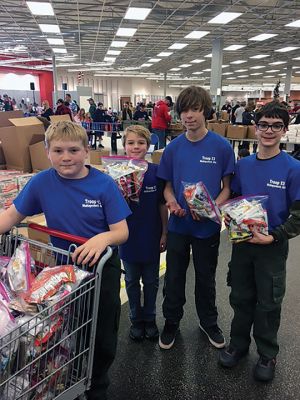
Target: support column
55, 97
165, 84
287, 83
216, 71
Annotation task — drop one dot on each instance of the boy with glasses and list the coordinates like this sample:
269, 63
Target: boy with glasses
257, 270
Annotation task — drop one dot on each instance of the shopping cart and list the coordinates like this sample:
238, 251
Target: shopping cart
50, 354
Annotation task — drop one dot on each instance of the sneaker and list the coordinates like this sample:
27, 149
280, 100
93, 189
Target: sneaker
137, 331
265, 369
167, 337
215, 335
151, 331
230, 356
100, 146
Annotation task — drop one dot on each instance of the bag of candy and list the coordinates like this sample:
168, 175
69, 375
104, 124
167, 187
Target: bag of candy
19, 269
245, 211
128, 173
200, 201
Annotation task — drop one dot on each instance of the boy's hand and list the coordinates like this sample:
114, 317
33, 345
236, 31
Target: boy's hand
195, 216
89, 252
163, 242
259, 238
175, 209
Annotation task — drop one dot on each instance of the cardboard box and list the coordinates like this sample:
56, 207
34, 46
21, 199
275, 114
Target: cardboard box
38, 156
217, 128
237, 131
57, 118
96, 156
16, 139
251, 132
225, 115
7, 115
36, 235
156, 156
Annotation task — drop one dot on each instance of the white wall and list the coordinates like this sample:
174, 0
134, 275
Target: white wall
10, 81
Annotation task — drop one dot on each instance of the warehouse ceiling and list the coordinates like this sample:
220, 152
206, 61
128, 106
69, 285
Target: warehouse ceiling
88, 29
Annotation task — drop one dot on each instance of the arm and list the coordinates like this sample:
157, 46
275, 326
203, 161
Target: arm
225, 192
163, 210
10, 218
91, 250
171, 201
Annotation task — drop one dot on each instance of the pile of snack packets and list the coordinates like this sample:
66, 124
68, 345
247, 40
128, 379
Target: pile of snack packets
32, 319
128, 173
201, 202
244, 212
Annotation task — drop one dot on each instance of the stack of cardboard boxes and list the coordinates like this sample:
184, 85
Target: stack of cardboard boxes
11, 183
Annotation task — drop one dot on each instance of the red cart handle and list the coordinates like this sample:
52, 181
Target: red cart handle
58, 234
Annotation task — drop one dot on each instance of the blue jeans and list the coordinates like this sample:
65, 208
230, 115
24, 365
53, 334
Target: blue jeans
150, 278
161, 133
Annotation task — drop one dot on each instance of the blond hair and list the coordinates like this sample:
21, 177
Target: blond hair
66, 130
139, 130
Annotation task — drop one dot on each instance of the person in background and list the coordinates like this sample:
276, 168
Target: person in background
160, 121
141, 257
126, 112
141, 114
47, 110
88, 118
72, 104
238, 114
243, 153
7, 103
63, 109
257, 269
100, 117
92, 108
212, 116
23, 106
227, 106
197, 155
80, 116
233, 110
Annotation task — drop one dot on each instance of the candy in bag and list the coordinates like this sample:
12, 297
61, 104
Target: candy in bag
19, 269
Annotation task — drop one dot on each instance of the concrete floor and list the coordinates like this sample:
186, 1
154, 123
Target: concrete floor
189, 370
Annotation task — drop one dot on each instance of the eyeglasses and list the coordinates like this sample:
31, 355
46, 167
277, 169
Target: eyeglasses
264, 127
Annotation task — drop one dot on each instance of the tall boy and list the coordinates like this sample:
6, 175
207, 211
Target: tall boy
258, 267
197, 155
62, 193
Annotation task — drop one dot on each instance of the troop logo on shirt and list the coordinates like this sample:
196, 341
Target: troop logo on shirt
91, 203
276, 184
150, 189
208, 160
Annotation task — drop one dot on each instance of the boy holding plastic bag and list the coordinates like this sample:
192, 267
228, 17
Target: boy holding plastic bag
258, 266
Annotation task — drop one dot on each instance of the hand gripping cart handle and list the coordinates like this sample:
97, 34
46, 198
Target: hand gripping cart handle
47, 353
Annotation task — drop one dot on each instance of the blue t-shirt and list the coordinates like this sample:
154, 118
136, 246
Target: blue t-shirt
83, 207
278, 177
144, 223
207, 160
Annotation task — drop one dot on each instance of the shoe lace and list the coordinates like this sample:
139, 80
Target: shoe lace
267, 361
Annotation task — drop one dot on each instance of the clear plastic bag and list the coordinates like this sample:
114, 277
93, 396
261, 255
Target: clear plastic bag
19, 269
128, 173
200, 201
245, 211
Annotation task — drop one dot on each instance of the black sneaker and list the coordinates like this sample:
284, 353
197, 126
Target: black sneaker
167, 337
100, 146
229, 357
215, 335
137, 331
151, 331
265, 369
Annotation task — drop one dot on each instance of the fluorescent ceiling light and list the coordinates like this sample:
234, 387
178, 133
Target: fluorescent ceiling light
227, 73
269, 76
57, 42
57, 50
113, 52
295, 24
47, 28
196, 34
146, 65
242, 76
285, 49
241, 70
277, 62
258, 67
224, 18
208, 55
281, 74
225, 65
197, 61
231, 78
118, 43
197, 73
207, 70
137, 13
178, 46
175, 69
235, 47
257, 73
40, 8
165, 54
273, 70
109, 59
259, 56
297, 58
185, 65
128, 32
154, 60
263, 36
238, 62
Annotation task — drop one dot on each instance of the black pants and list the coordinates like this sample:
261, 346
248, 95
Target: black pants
205, 257
107, 327
257, 280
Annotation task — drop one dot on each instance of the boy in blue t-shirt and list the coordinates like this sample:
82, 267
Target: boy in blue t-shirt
82, 201
147, 238
197, 155
257, 270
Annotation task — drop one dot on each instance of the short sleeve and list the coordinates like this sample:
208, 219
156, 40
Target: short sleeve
28, 200
236, 183
229, 160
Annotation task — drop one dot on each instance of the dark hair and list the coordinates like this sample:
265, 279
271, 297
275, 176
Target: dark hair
194, 97
60, 101
273, 110
66, 103
169, 98
68, 94
243, 152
